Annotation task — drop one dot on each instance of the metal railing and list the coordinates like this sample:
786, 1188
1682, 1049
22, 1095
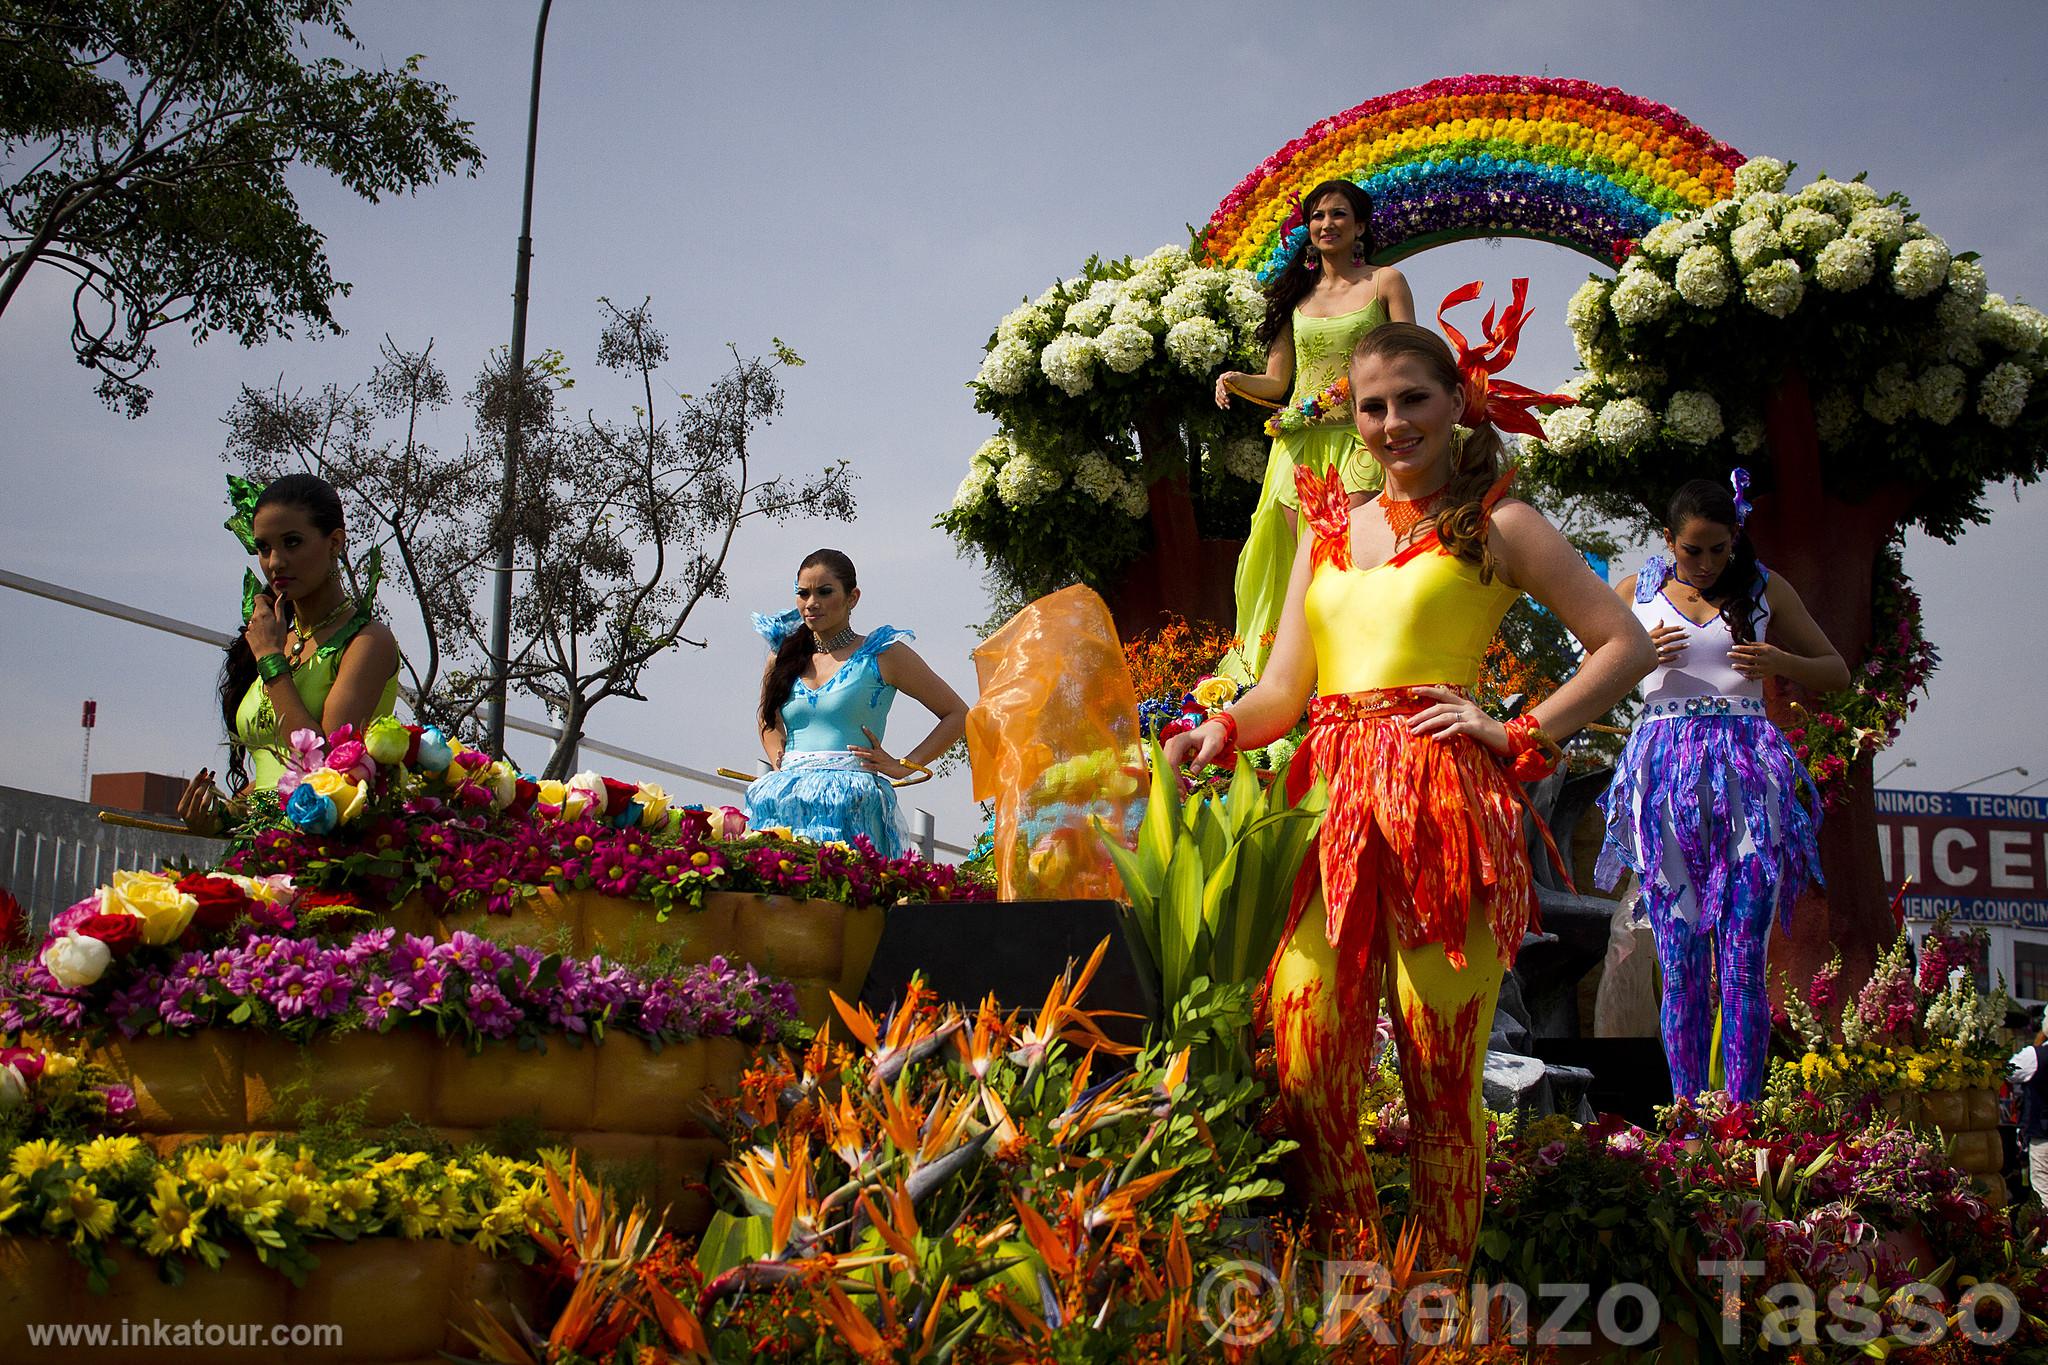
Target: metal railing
924, 827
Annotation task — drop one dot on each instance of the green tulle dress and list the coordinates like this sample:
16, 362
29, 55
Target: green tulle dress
256, 723
1322, 350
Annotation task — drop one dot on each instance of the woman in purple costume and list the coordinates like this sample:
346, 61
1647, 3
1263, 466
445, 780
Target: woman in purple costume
1710, 808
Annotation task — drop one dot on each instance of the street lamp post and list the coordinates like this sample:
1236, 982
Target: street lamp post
1988, 776
501, 588
1902, 763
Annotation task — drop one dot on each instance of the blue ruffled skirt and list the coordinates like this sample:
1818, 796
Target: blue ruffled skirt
828, 797
1711, 812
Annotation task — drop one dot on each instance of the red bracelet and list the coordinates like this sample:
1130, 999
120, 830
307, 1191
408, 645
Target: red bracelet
1229, 724
1531, 754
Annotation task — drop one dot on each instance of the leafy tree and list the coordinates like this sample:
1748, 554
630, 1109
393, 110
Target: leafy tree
621, 528
147, 145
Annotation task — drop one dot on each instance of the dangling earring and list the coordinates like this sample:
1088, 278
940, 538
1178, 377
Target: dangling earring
1358, 252
1311, 259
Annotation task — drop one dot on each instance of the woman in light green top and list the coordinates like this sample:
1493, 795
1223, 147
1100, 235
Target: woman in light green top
309, 658
1317, 308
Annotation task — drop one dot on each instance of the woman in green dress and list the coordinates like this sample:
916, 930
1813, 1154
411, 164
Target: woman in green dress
309, 659
1327, 296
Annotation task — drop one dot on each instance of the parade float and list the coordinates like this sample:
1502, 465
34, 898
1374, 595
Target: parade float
558, 1071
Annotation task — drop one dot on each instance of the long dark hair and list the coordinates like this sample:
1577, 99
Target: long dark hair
798, 646
1292, 284
1476, 465
322, 505
1739, 591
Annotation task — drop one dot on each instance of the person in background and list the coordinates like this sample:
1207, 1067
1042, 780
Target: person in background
1710, 807
825, 699
2030, 1078
309, 658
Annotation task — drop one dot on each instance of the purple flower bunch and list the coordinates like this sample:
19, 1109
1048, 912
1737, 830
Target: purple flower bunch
467, 987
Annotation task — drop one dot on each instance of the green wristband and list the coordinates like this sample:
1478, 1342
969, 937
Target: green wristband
271, 667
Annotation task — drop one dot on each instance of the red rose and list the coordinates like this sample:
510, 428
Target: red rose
524, 794
221, 902
412, 744
121, 933
617, 795
13, 921
695, 822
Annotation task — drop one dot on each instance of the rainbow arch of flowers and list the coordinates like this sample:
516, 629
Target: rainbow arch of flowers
1582, 165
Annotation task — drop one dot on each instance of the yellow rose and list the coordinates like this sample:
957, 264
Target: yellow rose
653, 806
164, 910
1213, 692
347, 796
552, 793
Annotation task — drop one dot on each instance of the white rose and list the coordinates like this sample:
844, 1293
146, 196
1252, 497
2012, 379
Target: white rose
1124, 346
13, 1089
589, 784
76, 960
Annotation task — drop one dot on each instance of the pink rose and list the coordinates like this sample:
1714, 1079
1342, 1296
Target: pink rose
351, 758
733, 822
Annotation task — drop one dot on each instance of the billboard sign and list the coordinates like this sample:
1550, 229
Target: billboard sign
1981, 858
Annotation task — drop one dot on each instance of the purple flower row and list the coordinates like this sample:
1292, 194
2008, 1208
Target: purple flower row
468, 987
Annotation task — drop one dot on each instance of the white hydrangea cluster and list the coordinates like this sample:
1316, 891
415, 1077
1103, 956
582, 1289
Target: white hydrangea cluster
1641, 296
1024, 479
1147, 285
1760, 174
1197, 345
1025, 321
1007, 367
1124, 346
1625, 424
1941, 391
1569, 431
981, 473
1775, 288
1097, 477
1672, 238
1069, 362
1891, 394
1635, 377
1090, 315
2002, 394
1134, 310
1585, 313
1809, 229
1194, 296
1703, 276
2014, 326
1845, 263
1245, 458
1921, 267
1131, 499
1246, 306
1834, 415
1880, 223
1755, 243
1693, 417
1762, 208
1824, 195
1749, 437
1967, 281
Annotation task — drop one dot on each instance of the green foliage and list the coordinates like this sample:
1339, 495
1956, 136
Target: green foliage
150, 145
1210, 878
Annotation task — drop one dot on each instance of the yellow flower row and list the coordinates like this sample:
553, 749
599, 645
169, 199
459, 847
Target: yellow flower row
116, 1188
1888, 1070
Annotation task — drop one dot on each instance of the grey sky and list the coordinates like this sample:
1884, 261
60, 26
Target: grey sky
877, 184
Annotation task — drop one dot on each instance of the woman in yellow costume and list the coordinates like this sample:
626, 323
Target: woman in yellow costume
1326, 296
1422, 887
309, 657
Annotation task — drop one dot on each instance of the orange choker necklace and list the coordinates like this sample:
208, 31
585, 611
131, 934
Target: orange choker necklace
1404, 517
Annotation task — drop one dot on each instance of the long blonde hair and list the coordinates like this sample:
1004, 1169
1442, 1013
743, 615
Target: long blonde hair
1477, 464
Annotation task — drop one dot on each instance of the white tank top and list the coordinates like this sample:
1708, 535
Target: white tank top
1704, 669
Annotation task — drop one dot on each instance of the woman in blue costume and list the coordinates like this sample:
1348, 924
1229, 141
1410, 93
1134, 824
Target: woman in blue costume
1710, 808
825, 698
1326, 296
308, 659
